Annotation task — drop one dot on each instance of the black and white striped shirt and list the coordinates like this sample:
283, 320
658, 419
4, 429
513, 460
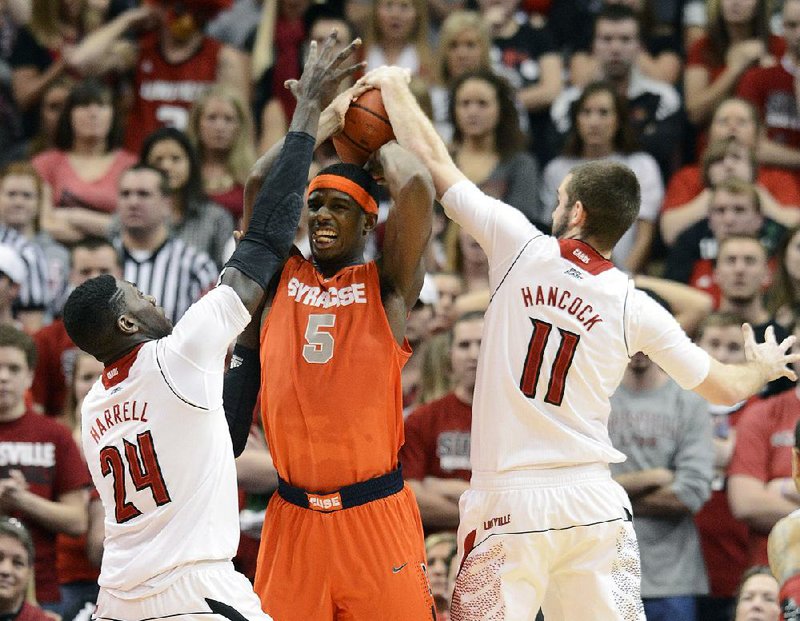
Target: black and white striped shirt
176, 274
33, 292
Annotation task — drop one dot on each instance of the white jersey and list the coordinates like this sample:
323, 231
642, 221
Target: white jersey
159, 451
559, 332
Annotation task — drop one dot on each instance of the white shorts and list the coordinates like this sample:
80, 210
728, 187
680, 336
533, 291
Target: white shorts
560, 539
209, 592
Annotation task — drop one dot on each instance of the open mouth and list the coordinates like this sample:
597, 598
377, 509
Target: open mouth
324, 238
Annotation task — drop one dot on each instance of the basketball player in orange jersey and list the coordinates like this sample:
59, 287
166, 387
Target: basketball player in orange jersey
784, 546
342, 538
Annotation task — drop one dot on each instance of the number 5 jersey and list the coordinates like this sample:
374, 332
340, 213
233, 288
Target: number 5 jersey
331, 397
559, 331
159, 451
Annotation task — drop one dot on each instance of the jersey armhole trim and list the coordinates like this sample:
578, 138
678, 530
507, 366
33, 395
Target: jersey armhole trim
625, 322
513, 263
172, 388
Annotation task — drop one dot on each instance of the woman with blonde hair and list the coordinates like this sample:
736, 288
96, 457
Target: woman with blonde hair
398, 35
464, 44
221, 128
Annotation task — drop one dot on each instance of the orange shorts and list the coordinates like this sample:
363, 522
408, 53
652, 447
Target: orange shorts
362, 563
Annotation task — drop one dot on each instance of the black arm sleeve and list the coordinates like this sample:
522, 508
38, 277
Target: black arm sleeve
239, 394
276, 212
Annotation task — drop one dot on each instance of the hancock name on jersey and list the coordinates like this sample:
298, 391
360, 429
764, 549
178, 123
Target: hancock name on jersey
127, 411
326, 297
562, 299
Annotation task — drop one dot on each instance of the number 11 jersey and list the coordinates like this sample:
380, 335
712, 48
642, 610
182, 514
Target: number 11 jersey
560, 329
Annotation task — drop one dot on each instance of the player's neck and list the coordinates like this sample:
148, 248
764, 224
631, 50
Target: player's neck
123, 348
577, 236
333, 267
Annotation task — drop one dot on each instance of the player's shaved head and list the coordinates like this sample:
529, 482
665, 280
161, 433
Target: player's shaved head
91, 311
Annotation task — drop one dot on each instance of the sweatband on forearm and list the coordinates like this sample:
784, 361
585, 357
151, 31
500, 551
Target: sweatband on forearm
240, 393
276, 212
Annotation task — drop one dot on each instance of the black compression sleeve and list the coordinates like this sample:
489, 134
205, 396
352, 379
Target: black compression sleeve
276, 212
240, 393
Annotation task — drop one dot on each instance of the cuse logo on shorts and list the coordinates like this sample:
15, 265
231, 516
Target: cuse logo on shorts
325, 502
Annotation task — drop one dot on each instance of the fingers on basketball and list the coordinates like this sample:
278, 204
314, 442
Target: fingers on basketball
366, 129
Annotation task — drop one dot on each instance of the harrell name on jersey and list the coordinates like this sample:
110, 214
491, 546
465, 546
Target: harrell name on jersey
160, 454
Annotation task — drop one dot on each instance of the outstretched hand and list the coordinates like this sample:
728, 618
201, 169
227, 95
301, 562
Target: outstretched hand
770, 355
323, 71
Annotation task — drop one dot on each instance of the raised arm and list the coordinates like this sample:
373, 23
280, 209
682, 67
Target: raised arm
278, 202
412, 127
272, 213
408, 227
729, 384
331, 122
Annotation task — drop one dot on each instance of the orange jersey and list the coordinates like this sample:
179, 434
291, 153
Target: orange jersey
330, 376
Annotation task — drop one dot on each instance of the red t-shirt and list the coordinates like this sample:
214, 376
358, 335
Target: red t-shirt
164, 92
764, 442
56, 359
29, 612
771, 90
699, 54
231, 200
724, 539
438, 440
72, 563
48, 457
70, 190
687, 183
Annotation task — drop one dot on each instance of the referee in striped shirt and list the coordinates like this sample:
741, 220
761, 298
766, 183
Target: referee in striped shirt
33, 296
156, 262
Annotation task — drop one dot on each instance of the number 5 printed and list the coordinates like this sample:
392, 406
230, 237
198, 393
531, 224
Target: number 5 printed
319, 347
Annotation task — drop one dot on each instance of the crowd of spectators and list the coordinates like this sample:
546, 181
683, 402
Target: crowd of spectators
127, 130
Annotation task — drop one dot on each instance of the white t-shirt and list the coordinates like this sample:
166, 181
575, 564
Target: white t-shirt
645, 168
159, 451
559, 332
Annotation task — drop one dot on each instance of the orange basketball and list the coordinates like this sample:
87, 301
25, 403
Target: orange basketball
366, 129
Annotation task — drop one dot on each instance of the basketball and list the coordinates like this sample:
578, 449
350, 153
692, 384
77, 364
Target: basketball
366, 129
